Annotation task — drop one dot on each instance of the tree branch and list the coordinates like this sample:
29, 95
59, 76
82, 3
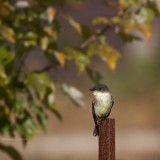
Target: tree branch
21, 64
44, 69
94, 37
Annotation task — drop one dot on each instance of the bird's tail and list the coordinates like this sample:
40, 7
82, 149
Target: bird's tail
96, 130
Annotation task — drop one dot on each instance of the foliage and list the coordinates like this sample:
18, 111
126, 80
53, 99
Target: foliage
25, 26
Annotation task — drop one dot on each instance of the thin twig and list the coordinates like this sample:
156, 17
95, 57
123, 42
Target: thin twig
44, 69
94, 37
21, 64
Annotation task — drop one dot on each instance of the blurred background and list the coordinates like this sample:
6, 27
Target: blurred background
135, 85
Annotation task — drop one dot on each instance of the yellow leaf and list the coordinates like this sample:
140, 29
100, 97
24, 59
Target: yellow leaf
126, 3
4, 11
60, 56
144, 28
51, 13
44, 43
109, 55
3, 74
7, 33
50, 32
74, 24
100, 20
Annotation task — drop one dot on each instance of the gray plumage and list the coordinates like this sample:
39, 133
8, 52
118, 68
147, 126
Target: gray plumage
101, 105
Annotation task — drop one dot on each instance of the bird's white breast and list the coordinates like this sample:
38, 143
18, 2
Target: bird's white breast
102, 103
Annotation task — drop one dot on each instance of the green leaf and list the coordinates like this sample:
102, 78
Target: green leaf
56, 113
41, 118
86, 32
39, 82
74, 24
94, 75
79, 57
26, 126
101, 20
128, 37
110, 4
12, 152
7, 33
102, 39
81, 61
20, 105
44, 43
5, 124
6, 56
6, 61
126, 3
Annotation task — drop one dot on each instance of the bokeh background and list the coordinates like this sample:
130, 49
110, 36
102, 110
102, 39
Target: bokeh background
135, 85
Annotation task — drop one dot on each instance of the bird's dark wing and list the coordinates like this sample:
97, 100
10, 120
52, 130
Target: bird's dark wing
96, 128
112, 102
111, 108
93, 114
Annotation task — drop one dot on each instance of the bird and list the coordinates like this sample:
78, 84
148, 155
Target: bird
102, 104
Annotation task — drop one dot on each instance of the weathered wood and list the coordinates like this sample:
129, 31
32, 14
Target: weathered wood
107, 139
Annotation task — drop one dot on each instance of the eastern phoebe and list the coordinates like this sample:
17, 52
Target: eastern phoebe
102, 104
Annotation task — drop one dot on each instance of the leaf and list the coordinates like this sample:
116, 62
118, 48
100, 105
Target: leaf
128, 37
4, 11
41, 117
44, 43
51, 14
5, 126
116, 20
7, 33
3, 74
22, 4
60, 56
106, 52
39, 82
100, 20
20, 105
102, 39
81, 61
56, 113
5, 55
81, 58
30, 39
12, 152
74, 24
144, 28
30, 43
86, 32
140, 21
26, 126
51, 106
31, 35
155, 6
110, 4
51, 32
126, 3
75, 95
94, 75
49, 102
109, 55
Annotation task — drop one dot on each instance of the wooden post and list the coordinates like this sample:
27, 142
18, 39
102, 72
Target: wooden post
107, 139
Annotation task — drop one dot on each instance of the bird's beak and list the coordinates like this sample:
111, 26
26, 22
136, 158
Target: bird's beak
91, 89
